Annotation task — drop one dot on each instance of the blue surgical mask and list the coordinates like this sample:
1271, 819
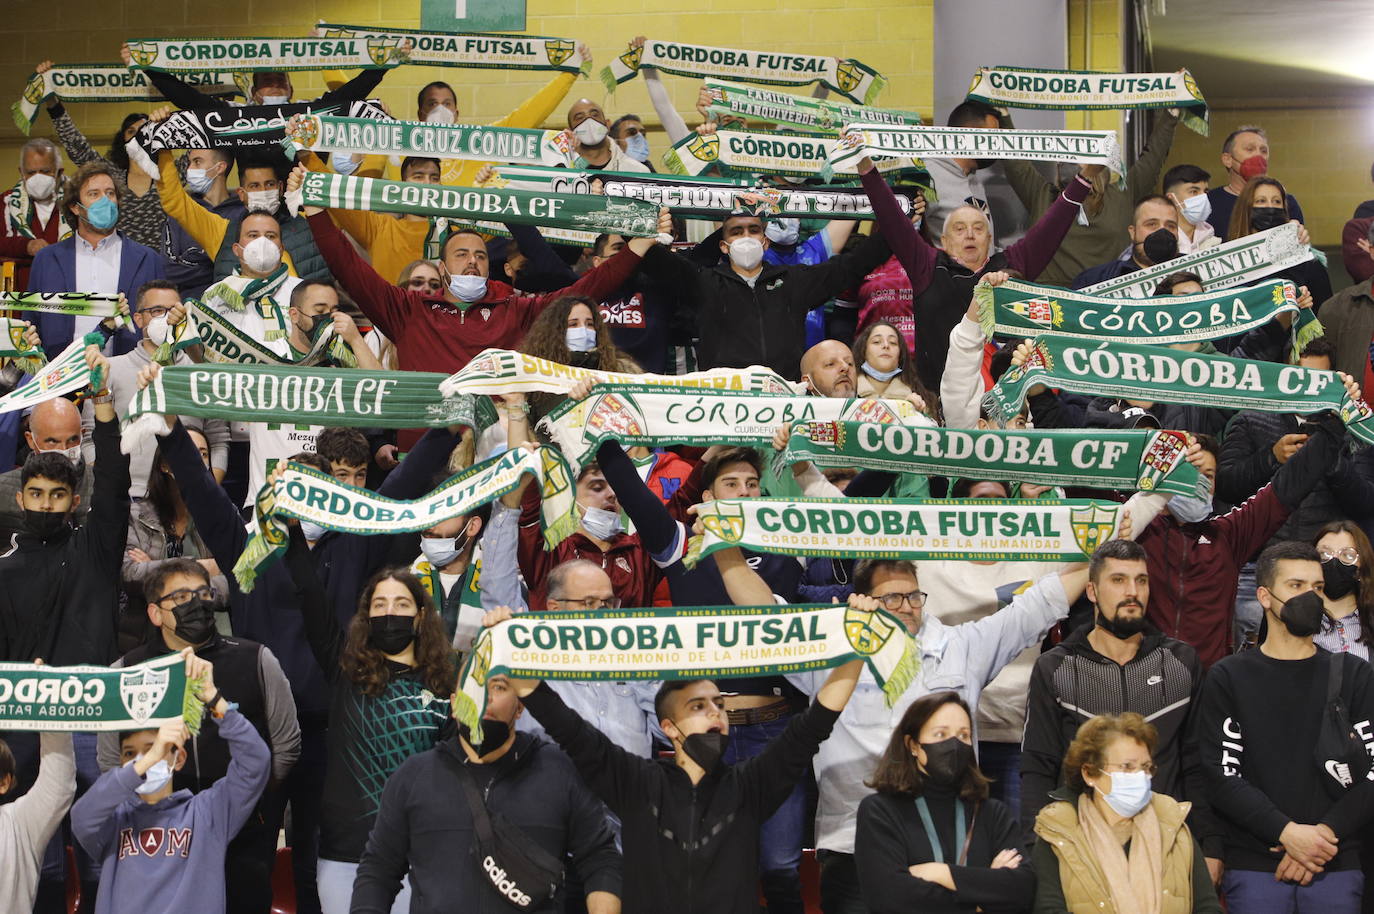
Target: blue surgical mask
313, 531
600, 523
102, 214
155, 779
441, 551
637, 147
783, 231
468, 288
877, 375
1130, 792
581, 339
1196, 209
345, 165
198, 180
1189, 510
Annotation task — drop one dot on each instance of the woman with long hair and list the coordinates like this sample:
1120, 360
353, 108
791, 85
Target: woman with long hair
1263, 205
392, 672
886, 368
931, 839
570, 331
1109, 843
1348, 567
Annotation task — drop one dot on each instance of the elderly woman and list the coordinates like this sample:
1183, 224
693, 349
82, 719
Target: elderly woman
1108, 843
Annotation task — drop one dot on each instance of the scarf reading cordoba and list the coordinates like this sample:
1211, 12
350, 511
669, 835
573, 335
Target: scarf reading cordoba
225, 342
684, 642
478, 50
256, 55
304, 493
651, 416
1082, 90
971, 529
63, 375
106, 82
850, 78
1163, 375
1149, 461
366, 136
797, 155
97, 698
815, 114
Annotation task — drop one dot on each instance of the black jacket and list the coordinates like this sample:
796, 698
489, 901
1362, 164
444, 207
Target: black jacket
425, 828
689, 848
59, 599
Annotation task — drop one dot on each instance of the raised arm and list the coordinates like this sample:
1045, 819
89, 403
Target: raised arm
206, 228
1037, 248
38, 812
673, 123
73, 140
912, 251
107, 524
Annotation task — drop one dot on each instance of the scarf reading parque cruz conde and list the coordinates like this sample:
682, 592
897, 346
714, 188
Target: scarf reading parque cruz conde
792, 154
850, 78
475, 142
685, 642
615, 215
972, 529
1162, 375
651, 416
496, 371
1144, 460
256, 55
106, 82
479, 50
816, 114
1088, 90
304, 493
98, 698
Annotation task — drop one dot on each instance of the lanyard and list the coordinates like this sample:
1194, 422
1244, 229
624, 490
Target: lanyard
961, 838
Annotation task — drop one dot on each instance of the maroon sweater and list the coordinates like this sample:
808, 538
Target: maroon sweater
15, 247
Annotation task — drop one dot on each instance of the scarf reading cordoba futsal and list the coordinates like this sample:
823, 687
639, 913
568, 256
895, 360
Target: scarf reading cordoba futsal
798, 155
848, 77
1149, 461
684, 642
1019, 309
479, 50
877, 141
815, 114
97, 698
63, 375
970, 529
257, 55
496, 371
288, 394
1164, 375
600, 214
1082, 90
475, 142
304, 493
106, 82
651, 416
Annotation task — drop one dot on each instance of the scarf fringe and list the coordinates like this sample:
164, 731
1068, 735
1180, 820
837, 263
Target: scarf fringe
901, 677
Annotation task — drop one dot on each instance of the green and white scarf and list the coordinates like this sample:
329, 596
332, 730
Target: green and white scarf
1162, 375
852, 79
287, 394
225, 342
477, 50
651, 416
85, 304
472, 142
683, 642
572, 237
496, 371
13, 346
20, 207
797, 155
878, 141
257, 55
304, 493
1088, 90
1235, 263
1018, 308
970, 529
237, 293
815, 114
575, 211
63, 375
97, 698
1148, 461
106, 82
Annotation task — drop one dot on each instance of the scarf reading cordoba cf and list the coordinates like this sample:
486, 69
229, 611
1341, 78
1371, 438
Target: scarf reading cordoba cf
816, 114
1163, 375
1085, 90
852, 79
479, 50
256, 55
97, 698
1148, 461
106, 82
368, 136
652, 416
685, 642
797, 155
304, 493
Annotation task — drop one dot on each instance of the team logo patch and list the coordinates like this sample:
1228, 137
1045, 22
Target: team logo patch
143, 52
559, 50
142, 691
849, 76
1092, 526
867, 631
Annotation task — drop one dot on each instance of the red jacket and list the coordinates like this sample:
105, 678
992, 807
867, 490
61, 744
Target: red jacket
15, 247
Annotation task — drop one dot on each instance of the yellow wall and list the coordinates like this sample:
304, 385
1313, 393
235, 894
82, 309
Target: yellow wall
894, 36
1095, 43
1322, 155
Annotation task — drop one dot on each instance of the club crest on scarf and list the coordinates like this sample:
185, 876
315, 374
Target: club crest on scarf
1092, 526
849, 75
867, 631
142, 690
559, 50
1043, 311
616, 416
144, 53
1163, 454
36, 90
831, 434
729, 527
705, 148
632, 57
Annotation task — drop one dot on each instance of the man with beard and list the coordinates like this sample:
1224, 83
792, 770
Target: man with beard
1119, 663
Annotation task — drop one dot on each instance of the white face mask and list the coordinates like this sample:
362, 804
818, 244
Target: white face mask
581, 339
440, 551
261, 255
40, 186
73, 454
198, 180
590, 132
1130, 792
600, 523
441, 114
468, 288
746, 253
157, 330
269, 200
1197, 209
345, 165
783, 231
313, 532
155, 779
274, 99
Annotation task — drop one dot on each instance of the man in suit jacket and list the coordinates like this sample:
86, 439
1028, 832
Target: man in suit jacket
96, 258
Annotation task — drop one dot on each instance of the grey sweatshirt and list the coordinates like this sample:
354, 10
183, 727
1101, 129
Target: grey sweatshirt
28, 822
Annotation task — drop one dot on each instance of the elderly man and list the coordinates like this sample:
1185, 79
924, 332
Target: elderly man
1244, 155
596, 150
30, 219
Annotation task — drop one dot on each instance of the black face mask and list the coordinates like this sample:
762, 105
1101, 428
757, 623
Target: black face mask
948, 761
494, 736
1267, 217
1341, 579
195, 621
391, 634
317, 325
1160, 246
44, 524
584, 359
706, 749
1302, 615
1119, 627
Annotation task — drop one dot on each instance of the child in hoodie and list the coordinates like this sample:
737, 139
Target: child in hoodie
161, 850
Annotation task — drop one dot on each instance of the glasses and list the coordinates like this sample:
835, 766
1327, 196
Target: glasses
1348, 556
590, 603
1130, 768
893, 601
421, 283
178, 597
156, 311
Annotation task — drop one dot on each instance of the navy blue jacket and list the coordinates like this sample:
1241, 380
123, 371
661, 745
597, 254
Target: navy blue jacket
54, 270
